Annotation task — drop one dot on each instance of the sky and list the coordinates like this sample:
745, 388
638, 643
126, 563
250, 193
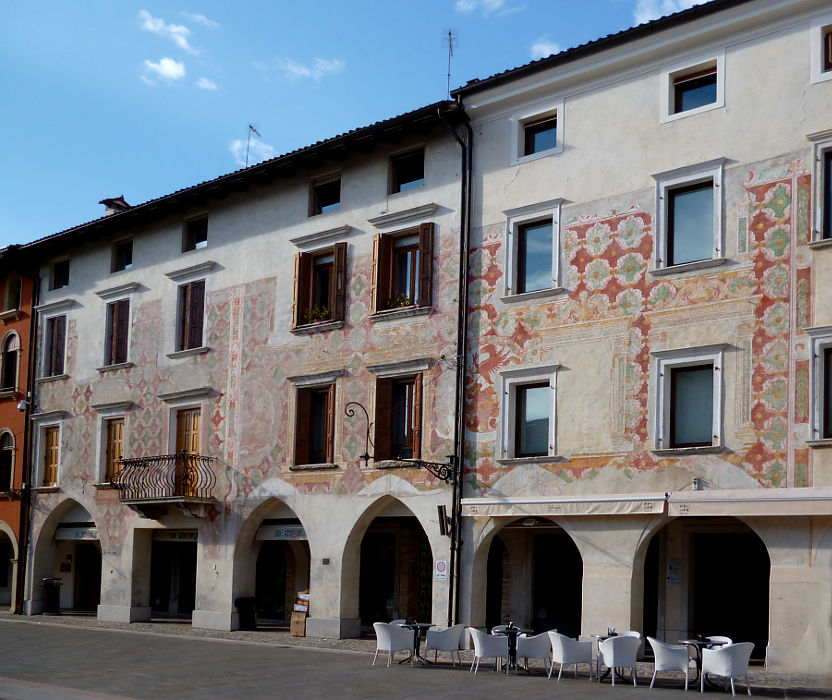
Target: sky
141, 99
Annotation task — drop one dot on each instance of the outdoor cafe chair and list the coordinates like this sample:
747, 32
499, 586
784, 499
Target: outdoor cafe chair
445, 640
730, 661
566, 651
488, 646
670, 657
534, 647
392, 638
618, 652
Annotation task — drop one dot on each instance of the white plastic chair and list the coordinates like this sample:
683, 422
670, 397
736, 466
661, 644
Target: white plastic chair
566, 651
618, 652
499, 629
488, 646
718, 641
629, 633
444, 640
535, 647
670, 657
730, 661
402, 621
392, 638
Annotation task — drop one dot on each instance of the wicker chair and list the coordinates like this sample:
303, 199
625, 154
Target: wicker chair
392, 638
618, 652
444, 640
670, 657
730, 661
488, 646
566, 651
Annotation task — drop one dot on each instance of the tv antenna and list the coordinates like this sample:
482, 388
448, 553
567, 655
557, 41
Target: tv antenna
450, 40
248, 143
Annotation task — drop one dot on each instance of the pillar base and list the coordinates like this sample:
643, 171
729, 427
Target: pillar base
123, 613
215, 620
333, 628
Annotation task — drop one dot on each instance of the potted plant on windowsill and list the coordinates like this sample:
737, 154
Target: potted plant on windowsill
317, 314
399, 301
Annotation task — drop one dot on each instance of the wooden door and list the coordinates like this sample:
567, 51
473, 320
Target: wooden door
187, 450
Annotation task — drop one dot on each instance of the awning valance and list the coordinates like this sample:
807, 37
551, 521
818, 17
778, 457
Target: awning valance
614, 504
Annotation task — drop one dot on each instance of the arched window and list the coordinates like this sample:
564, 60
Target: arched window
11, 352
12, 298
6, 461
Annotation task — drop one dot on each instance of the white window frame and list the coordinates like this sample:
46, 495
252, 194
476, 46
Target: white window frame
518, 121
13, 460
107, 412
820, 338
687, 357
112, 295
515, 218
821, 145
184, 400
172, 306
817, 74
667, 85
510, 380
712, 170
47, 312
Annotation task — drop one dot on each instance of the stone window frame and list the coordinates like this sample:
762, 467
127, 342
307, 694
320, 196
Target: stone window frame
519, 119
172, 305
107, 412
670, 74
822, 218
820, 340
317, 380
821, 26
510, 380
187, 399
46, 313
44, 421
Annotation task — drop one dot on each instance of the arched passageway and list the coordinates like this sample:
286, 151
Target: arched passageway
76, 559
7, 555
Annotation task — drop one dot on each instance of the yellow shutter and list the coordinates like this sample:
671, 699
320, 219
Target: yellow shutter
115, 448
51, 438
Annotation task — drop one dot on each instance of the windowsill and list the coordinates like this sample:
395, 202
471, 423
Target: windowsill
113, 368
53, 378
402, 312
187, 353
308, 328
820, 244
542, 459
681, 451
393, 464
529, 296
46, 489
688, 267
8, 394
519, 160
820, 443
10, 315
104, 486
313, 467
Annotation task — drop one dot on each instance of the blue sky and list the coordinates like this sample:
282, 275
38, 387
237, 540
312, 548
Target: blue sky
143, 98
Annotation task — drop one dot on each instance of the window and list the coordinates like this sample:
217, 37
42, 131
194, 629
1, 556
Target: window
122, 256
196, 234
826, 193
821, 47
11, 355
6, 461
689, 213
55, 342
404, 268
315, 425
407, 171
398, 417
689, 393
51, 450
534, 256
821, 384
13, 292
527, 427
118, 328
114, 447
541, 135
537, 132
531, 421
693, 88
326, 195
533, 249
191, 315
320, 286
60, 274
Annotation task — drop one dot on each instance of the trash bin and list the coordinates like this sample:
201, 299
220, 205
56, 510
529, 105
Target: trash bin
52, 596
247, 608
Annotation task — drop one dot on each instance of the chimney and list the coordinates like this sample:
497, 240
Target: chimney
115, 205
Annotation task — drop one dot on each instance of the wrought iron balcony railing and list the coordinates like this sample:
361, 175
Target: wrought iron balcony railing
160, 478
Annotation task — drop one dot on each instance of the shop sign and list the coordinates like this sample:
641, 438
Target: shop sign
281, 532
175, 535
76, 533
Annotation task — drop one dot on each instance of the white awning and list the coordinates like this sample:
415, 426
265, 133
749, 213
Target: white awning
72, 532
739, 502
613, 504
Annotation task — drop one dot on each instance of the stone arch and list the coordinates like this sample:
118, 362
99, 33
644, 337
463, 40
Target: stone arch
6, 529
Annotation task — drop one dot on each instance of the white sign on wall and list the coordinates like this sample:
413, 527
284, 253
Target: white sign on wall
440, 570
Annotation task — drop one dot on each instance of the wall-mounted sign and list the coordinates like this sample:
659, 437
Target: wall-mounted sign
76, 533
440, 570
281, 532
175, 535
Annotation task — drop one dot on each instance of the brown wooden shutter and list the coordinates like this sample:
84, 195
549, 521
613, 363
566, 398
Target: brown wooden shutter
302, 424
330, 424
58, 344
417, 416
196, 313
120, 326
425, 264
384, 410
339, 292
303, 275
374, 304
385, 261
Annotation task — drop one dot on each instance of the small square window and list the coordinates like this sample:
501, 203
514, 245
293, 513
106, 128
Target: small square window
694, 90
315, 425
196, 234
407, 171
404, 268
326, 195
540, 135
537, 132
320, 286
60, 274
122, 256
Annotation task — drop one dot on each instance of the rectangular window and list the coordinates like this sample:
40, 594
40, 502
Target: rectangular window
320, 286
407, 171
60, 274
191, 315
326, 195
398, 418
122, 256
114, 449
195, 234
527, 413
694, 90
534, 256
404, 268
826, 420
826, 61
531, 422
315, 425
118, 329
691, 406
690, 217
10, 360
55, 342
826, 195
540, 135
51, 451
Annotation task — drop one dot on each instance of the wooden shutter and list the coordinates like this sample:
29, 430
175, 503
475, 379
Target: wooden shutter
384, 410
302, 424
194, 314
374, 304
339, 287
303, 275
50, 455
382, 258
330, 424
121, 326
187, 430
115, 447
417, 416
58, 344
425, 264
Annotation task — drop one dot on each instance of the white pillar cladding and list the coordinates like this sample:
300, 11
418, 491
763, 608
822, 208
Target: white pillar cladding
125, 578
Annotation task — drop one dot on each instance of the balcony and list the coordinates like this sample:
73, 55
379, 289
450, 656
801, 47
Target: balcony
153, 485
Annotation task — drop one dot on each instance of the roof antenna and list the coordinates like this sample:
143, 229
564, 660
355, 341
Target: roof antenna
450, 41
248, 144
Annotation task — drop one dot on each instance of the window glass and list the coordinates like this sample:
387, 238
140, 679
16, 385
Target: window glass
408, 171
827, 393
540, 136
690, 215
694, 90
60, 274
691, 406
326, 196
123, 256
402, 423
405, 271
534, 257
827, 194
10, 355
532, 424
6, 455
318, 441
196, 234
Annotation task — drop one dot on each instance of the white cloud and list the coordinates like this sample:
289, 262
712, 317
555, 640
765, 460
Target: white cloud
177, 33
166, 68
292, 70
646, 10
487, 7
206, 84
543, 47
257, 151
201, 19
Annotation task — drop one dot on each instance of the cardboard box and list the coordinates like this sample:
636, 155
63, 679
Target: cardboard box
298, 624
301, 607
303, 596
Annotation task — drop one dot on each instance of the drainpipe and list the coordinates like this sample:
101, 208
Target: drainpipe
466, 144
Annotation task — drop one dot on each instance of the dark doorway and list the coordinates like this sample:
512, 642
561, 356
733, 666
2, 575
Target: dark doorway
173, 578
497, 568
87, 582
650, 612
557, 583
271, 581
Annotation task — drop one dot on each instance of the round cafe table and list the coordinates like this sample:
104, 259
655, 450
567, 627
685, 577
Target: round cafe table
419, 630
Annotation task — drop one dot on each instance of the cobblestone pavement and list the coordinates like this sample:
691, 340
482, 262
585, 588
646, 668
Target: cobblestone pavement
79, 657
